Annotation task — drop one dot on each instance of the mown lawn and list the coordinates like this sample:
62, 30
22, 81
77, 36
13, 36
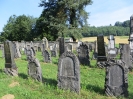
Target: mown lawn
92, 82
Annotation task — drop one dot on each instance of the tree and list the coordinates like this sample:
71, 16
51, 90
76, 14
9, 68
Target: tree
63, 17
19, 28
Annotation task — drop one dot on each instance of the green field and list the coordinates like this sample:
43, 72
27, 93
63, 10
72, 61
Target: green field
24, 87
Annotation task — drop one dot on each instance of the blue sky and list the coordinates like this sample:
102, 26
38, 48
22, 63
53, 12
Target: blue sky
102, 12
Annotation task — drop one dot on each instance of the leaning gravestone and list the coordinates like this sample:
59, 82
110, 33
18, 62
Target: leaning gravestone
69, 72
10, 65
116, 81
61, 46
111, 47
125, 55
47, 57
83, 54
34, 68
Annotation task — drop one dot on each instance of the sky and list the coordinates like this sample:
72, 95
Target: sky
101, 12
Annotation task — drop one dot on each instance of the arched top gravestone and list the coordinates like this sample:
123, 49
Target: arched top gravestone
83, 54
69, 72
116, 81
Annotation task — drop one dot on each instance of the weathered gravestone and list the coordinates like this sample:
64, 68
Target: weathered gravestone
101, 58
101, 48
61, 46
3, 55
34, 68
83, 54
125, 55
17, 53
111, 47
53, 50
47, 57
10, 65
30, 53
69, 72
45, 42
116, 81
68, 47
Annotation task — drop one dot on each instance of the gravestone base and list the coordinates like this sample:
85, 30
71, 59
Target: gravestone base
11, 71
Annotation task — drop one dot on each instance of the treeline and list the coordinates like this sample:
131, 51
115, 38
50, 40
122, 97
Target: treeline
119, 29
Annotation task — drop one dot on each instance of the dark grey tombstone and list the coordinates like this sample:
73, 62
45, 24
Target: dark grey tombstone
111, 47
47, 56
68, 77
10, 65
116, 81
83, 54
34, 69
125, 55
61, 46
101, 48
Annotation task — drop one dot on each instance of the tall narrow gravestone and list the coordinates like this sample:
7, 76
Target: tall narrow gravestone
68, 72
10, 65
83, 54
116, 81
61, 46
101, 48
111, 47
125, 55
95, 53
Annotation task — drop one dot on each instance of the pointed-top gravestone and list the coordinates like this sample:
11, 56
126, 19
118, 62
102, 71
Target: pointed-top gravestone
10, 65
47, 57
45, 42
69, 72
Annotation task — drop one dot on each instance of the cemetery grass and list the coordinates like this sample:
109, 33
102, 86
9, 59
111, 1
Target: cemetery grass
91, 82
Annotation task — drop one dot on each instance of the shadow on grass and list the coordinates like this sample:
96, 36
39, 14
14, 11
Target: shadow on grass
130, 96
22, 75
50, 82
95, 89
1, 70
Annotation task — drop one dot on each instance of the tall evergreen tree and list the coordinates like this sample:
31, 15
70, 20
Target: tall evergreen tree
63, 18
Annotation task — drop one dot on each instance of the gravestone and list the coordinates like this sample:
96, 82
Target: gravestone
45, 42
17, 53
125, 55
101, 48
69, 47
3, 55
111, 47
47, 57
61, 46
68, 77
116, 81
83, 54
54, 50
34, 68
10, 65
95, 53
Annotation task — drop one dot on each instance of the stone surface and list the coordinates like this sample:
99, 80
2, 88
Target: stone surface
10, 65
125, 55
83, 54
47, 56
69, 72
61, 46
116, 81
101, 48
111, 47
95, 53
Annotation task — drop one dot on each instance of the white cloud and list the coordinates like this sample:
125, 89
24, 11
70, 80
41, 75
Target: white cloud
106, 18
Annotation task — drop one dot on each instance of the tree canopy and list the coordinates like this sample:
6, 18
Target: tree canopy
19, 28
